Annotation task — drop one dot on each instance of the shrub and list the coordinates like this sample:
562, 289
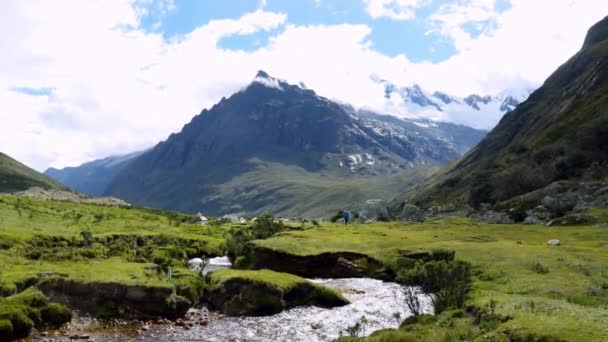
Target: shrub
412, 299
517, 180
449, 282
597, 171
339, 215
238, 238
443, 254
539, 268
518, 214
357, 329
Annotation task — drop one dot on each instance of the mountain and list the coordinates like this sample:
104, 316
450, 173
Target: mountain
559, 133
92, 178
413, 101
278, 147
15, 176
462, 137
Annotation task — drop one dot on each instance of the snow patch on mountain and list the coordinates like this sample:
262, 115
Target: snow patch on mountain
414, 102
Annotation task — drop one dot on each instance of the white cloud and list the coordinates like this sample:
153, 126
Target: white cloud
117, 88
394, 9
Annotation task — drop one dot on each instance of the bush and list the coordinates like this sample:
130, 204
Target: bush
242, 263
517, 180
412, 299
238, 238
539, 268
357, 329
339, 215
443, 254
449, 282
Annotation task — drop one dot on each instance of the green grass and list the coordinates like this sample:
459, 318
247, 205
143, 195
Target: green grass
21, 218
42, 238
284, 281
568, 295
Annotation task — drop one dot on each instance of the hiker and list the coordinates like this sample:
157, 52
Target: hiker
346, 216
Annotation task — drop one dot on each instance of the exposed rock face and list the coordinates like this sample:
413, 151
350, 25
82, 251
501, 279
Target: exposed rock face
411, 213
244, 297
325, 265
493, 217
118, 299
374, 210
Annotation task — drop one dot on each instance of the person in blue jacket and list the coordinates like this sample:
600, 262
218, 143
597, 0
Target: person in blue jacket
346, 216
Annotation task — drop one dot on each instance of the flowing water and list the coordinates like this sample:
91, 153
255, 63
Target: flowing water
381, 303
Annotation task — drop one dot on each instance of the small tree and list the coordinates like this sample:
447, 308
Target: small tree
412, 299
87, 238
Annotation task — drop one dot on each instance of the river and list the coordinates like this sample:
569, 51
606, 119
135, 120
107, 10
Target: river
381, 303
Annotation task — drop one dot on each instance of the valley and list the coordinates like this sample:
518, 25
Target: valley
278, 214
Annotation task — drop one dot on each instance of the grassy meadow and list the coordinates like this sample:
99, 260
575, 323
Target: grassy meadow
557, 291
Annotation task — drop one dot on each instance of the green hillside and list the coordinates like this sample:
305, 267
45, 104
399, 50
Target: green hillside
559, 133
15, 176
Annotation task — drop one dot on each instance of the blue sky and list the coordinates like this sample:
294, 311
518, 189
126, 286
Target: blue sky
80, 80
412, 38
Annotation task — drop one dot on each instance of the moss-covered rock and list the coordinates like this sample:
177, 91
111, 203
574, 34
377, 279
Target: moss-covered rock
55, 314
20, 313
264, 292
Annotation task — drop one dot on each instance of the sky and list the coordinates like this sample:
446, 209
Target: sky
81, 80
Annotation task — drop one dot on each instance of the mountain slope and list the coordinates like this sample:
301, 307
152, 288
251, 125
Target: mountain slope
559, 133
265, 143
15, 176
92, 178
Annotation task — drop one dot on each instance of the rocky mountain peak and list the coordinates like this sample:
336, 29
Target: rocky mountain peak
597, 33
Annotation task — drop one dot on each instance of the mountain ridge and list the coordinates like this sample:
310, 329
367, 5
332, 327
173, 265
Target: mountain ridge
15, 176
559, 133
269, 140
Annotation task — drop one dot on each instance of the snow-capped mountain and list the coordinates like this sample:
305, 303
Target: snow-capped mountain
484, 110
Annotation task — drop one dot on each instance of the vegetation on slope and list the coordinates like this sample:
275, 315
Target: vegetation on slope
15, 176
559, 133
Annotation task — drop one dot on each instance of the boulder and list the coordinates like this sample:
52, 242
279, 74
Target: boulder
532, 220
411, 213
494, 217
554, 242
540, 212
374, 210
559, 204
